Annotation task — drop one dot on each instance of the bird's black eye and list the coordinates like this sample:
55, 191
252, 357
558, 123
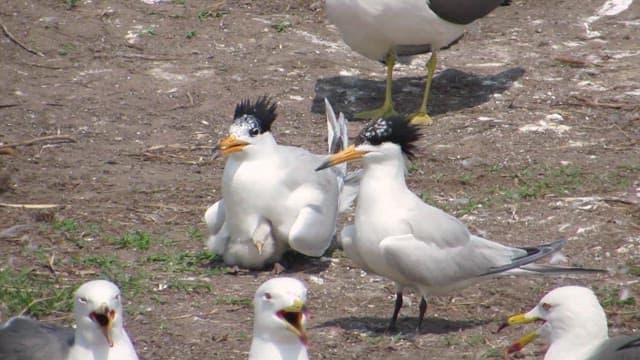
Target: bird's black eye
267, 296
546, 306
254, 131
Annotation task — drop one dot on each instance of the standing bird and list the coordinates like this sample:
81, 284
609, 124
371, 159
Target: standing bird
386, 29
99, 333
398, 236
272, 199
576, 326
279, 321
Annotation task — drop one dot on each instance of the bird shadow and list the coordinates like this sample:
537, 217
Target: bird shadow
405, 325
451, 90
290, 262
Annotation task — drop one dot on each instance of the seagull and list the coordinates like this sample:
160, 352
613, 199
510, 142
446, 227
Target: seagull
99, 335
577, 327
398, 236
387, 29
279, 324
272, 199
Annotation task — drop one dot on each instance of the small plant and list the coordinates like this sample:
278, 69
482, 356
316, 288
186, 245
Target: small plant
70, 4
232, 300
136, 239
190, 34
207, 13
67, 48
493, 353
179, 2
196, 234
281, 25
66, 225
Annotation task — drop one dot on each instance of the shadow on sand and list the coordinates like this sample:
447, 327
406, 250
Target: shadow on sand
451, 90
406, 325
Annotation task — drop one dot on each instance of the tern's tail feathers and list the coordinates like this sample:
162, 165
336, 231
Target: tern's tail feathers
522, 264
349, 190
337, 139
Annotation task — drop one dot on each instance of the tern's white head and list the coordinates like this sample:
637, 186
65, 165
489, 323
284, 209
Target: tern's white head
574, 319
280, 312
251, 126
98, 311
381, 140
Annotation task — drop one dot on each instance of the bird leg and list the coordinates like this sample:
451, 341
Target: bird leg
387, 108
423, 309
396, 311
421, 117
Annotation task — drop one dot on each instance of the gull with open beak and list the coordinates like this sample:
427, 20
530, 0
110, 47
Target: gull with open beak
398, 236
99, 333
576, 327
272, 199
279, 321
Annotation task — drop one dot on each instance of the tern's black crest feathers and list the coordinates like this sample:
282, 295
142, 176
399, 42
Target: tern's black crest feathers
263, 110
396, 129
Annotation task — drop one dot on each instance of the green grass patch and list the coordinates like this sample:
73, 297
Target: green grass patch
610, 296
136, 239
33, 293
281, 25
233, 300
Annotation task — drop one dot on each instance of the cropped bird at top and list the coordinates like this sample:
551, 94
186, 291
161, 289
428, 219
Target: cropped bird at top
272, 199
385, 29
576, 327
398, 236
279, 321
99, 333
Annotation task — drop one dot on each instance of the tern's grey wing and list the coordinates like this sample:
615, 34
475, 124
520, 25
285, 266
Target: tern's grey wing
26, 339
618, 348
462, 12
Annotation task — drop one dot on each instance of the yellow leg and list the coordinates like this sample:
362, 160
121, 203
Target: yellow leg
387, 108
421, 117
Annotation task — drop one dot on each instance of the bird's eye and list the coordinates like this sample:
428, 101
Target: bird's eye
117, 298
254, 131
83, 300
546, 306
267, 296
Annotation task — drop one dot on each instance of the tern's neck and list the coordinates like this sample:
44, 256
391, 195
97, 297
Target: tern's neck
284, 350
385, 173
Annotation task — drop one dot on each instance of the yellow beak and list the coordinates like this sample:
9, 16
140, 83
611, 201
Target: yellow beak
347, 154
295, 319
523, 341
230, 145
105, 318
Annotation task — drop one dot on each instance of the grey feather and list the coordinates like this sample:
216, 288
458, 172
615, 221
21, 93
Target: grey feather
23, 338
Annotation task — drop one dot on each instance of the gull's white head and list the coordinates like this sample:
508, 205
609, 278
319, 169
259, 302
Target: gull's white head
251, 126
379, 141
98, 311
280, 312
573, 321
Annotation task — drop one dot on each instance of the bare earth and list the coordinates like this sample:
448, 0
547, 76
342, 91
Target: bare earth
535, 138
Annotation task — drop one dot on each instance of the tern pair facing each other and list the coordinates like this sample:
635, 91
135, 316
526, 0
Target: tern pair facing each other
99, 333
576, 327
398, 236
272, 199
385, 29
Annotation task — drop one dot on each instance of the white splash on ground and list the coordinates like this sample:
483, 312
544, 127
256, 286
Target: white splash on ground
609, 8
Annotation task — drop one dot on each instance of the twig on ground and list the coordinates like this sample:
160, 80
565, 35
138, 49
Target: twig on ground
31, 206
597, 103
33, 303
18, 42
49, 139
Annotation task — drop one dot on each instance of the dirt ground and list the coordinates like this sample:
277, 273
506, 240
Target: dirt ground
535, 138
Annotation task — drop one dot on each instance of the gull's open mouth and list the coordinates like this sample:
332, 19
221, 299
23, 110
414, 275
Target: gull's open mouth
101, 319
104, 317
295, 322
